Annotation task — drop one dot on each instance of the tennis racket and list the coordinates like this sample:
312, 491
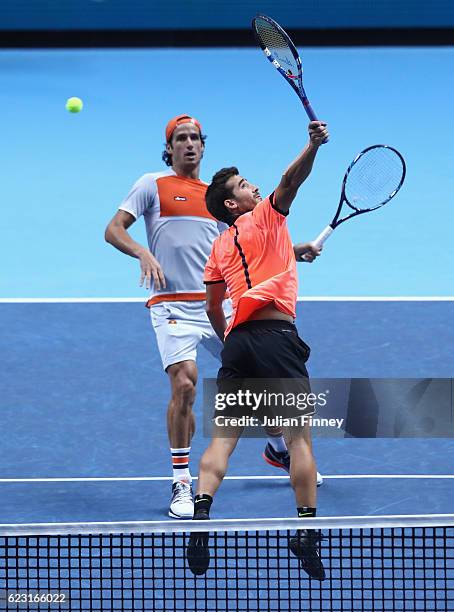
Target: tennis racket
372, 179
282, 53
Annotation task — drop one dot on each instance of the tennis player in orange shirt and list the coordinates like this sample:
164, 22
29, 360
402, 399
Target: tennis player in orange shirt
254, 259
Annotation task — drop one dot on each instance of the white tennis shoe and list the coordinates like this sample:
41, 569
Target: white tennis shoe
182, 503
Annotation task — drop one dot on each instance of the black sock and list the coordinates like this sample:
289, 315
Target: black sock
202, 505
306, 511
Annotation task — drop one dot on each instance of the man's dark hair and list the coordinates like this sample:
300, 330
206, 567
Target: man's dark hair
167, 157
217, 193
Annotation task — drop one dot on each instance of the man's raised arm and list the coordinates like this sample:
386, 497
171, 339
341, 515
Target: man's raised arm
299, 170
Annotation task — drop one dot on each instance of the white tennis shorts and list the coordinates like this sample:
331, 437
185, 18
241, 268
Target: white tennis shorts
181, 326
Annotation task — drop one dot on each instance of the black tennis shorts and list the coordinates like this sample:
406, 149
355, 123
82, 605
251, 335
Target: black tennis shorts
264, 349
267, 357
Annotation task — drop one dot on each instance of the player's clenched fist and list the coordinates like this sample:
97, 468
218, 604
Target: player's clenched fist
318, 132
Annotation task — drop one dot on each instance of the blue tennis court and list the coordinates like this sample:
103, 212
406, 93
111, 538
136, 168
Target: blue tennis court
85, 397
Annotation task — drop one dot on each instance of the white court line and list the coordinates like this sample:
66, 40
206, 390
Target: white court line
107, 300
63, 300
158, 478
377, 298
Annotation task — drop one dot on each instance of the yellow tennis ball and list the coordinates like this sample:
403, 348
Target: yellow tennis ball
74, 105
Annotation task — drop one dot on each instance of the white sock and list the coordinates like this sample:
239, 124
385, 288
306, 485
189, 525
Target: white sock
180, 464
278, 443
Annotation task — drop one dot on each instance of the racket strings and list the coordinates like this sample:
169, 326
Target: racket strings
278, 46
374, 178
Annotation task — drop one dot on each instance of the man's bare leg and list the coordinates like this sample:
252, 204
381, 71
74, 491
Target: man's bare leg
181, 428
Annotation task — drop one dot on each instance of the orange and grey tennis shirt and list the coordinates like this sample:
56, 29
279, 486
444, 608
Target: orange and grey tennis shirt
255, 259
180, 231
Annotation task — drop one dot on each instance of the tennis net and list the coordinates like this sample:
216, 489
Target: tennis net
371, 563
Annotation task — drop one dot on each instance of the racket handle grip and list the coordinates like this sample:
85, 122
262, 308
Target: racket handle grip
318, 242
309, 110
310, 113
